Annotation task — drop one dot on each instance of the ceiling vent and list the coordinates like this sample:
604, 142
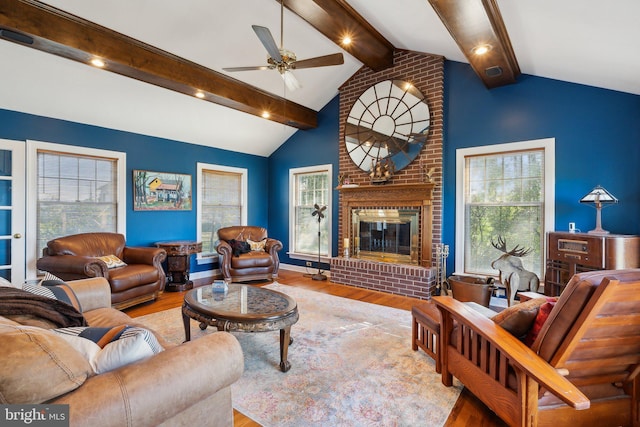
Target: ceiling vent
493, 71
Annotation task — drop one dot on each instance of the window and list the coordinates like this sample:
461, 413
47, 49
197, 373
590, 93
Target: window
504, 190
222, 202
309, 186
79, 190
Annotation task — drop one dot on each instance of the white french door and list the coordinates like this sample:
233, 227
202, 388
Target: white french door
12, 211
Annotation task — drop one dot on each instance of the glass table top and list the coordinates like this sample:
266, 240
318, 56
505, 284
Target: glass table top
245, 301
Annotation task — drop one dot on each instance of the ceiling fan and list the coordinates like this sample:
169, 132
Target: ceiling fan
284, 60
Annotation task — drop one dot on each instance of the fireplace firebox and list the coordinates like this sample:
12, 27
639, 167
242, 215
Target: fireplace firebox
392, 222
387, 234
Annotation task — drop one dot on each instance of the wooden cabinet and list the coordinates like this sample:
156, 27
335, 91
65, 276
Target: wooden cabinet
570, 253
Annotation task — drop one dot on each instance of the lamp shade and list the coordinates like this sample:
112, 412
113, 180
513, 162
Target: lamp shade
599, 197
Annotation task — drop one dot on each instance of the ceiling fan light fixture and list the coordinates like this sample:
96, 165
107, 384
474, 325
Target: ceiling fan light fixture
290, 81
284, 60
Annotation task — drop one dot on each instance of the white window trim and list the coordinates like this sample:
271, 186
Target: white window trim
32, 188
245, 208
307, 169
548, 144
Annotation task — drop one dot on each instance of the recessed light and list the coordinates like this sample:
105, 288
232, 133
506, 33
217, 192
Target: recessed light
199, 94
97, 62
481, 49
346, 40
265, 114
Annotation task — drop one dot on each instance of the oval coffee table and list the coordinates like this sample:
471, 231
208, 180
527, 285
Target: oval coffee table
243, 308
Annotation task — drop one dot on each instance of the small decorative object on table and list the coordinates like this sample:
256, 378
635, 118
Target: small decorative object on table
512, 273
219, 286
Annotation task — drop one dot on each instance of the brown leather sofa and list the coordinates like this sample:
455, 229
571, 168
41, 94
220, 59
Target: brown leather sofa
260, 264
183, 385
76, 257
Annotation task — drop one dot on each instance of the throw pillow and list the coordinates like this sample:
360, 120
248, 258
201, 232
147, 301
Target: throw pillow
239, 247
257, 246
112, 261
37, 365
50, 277
55, 289
518, 319
107, 349
542, 316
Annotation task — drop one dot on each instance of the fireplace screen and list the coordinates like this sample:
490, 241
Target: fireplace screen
389, 235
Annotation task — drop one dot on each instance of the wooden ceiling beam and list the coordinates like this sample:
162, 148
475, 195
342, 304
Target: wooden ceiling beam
472, 23
336, 19
39, 26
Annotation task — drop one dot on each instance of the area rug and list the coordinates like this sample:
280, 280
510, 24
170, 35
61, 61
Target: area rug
351, 365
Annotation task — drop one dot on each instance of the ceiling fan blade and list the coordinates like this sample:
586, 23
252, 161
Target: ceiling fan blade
268, 42
319, 61
290, 81
258, 67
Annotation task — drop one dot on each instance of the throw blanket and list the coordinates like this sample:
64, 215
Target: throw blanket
17, 301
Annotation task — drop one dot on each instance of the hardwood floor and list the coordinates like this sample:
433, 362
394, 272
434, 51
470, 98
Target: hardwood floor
467, 411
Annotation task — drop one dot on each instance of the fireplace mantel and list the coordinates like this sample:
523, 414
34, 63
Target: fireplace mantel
418, 195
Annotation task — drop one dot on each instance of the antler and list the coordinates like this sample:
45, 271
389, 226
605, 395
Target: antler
501, 245
517, 251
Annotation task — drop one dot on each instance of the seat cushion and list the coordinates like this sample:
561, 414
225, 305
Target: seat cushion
252, 259
132, 276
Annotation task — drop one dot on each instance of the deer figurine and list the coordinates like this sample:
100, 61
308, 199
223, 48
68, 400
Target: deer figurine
512, 273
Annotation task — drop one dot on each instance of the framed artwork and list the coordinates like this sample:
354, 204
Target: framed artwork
161, 191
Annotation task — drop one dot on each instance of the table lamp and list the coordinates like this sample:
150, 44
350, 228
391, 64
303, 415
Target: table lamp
599, 197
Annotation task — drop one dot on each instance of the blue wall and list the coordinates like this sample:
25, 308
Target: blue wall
145, 152
313, 147
597, 134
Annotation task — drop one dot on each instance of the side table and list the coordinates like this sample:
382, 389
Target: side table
178, 263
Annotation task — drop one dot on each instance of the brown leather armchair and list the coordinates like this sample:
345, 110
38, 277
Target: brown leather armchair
252, 265
76, 257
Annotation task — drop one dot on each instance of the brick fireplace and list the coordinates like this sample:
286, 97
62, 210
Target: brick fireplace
416, 279
408, 188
